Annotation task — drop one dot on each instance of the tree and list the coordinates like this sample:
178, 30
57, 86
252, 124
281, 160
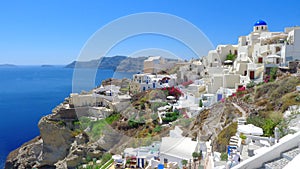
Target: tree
230, 57
184, 162
200, 103
273, 73
195, 155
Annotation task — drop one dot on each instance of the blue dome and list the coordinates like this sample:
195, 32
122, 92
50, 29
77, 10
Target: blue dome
260, 23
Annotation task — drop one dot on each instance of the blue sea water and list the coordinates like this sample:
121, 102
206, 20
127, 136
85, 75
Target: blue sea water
29, 92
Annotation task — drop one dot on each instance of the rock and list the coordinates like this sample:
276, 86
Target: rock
57, 140
26, 156
73, 161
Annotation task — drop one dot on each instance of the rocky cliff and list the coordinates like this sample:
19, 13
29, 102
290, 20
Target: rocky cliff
58, 146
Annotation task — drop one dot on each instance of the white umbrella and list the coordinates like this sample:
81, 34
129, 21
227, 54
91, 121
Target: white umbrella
273, 56
250, 129
228, 61
171, 97
116, 157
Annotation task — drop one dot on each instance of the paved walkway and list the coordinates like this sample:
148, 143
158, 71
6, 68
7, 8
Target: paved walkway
240, 109
112, 166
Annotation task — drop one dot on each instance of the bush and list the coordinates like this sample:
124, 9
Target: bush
224, 137
224, 156
297, 98
105, 157
273, 73
230, 57
171, 117
196, 155
61, 123
200, 103
133, 123
156, 105
114, 117
184, 162
250, 85
173, 92
256, 121
269, 127
157, 128
243, 137
97, 128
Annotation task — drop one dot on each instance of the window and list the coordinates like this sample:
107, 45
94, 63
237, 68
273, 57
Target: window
165, 160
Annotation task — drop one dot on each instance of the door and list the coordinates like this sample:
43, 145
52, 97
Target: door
220, 97
252, 75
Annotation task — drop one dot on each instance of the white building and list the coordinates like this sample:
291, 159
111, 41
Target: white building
291, 50
149, 81
153, 64
177, 148
191, 71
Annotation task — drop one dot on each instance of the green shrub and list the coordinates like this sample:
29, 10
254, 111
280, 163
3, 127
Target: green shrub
105, 157
230, 57
61, 123
256, 121
200, 103
156, 105
196, 155
242, 136
251, 84
223, 138
269, 127
297, 98
184, 162
157, 128
114, 117
224, 156
97, 128
170, 117
273, 73
135, 123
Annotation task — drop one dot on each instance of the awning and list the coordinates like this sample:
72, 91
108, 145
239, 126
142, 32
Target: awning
250, 129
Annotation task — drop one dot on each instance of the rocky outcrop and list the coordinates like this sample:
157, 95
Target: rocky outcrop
57, 139
61, 144
53, 144
26, 156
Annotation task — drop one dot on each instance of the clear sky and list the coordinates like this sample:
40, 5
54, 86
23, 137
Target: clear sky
54, 31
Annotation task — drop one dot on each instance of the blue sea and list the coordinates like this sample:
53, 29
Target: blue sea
29, 92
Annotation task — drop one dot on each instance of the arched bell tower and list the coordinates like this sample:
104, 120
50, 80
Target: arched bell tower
260, 26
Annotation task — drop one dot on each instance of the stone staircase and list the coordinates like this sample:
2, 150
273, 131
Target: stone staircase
285, 158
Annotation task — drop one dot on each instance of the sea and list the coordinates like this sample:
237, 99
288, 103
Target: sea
29, 92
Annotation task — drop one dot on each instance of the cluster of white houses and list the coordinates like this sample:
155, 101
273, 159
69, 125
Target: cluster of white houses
209, 79
220, 76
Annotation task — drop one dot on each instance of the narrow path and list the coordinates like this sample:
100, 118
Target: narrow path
112, 166
240, 109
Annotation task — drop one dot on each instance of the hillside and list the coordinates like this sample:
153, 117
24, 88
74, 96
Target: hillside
118, 63
263, 105
71, 137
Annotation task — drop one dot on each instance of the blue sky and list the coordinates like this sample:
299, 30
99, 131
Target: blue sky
54, 31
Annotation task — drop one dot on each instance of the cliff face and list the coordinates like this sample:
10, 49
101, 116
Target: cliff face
58, 146
57, 140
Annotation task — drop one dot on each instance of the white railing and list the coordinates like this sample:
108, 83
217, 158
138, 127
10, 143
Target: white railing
286, 143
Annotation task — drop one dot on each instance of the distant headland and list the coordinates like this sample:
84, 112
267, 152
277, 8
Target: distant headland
8, 65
